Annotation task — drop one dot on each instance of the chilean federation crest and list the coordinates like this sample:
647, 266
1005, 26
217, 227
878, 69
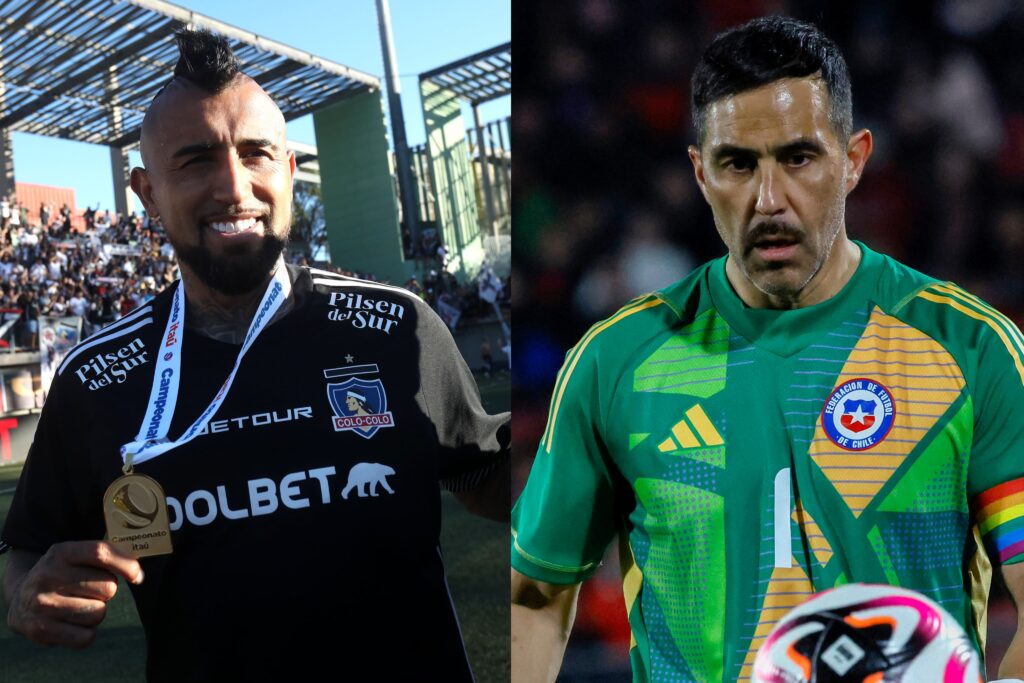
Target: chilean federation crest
858, 414
360, 404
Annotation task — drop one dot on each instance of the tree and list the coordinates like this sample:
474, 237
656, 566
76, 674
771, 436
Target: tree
309, 227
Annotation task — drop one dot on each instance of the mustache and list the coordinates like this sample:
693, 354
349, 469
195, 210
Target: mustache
766, 229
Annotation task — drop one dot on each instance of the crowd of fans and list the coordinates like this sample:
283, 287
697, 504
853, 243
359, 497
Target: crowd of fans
605, 206
115, 263
99, 274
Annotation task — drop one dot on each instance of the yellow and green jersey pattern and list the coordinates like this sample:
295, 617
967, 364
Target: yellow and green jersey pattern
753, 457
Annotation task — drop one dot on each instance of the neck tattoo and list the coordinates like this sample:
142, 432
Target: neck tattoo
228, 323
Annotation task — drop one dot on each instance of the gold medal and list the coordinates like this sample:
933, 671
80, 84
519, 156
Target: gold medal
135, 510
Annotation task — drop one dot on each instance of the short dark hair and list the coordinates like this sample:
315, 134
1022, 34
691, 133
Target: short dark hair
766, 50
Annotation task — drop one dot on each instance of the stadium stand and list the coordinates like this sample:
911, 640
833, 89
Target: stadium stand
111, 264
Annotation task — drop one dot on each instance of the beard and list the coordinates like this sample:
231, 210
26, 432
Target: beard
239, 269
788, 279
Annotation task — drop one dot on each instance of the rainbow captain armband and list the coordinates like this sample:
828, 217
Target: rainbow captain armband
999, 513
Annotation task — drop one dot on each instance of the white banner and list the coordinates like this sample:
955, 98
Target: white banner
121, 250
57, 336
8, 316
489, 285
449, 314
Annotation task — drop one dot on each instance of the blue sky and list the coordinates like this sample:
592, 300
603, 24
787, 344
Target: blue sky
426, 34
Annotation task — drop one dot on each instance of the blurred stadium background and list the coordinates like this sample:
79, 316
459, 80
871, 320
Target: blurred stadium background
433, 217
606, 207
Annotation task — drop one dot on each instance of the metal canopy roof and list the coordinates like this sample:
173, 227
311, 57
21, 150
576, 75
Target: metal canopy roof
87, 69
477, 78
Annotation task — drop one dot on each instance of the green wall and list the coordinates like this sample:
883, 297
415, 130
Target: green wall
454, 177
360, 201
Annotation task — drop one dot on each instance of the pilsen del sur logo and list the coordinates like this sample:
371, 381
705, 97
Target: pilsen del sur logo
360, 402
105, 369
365, 313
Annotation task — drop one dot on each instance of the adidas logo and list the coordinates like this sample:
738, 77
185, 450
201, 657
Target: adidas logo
693, 431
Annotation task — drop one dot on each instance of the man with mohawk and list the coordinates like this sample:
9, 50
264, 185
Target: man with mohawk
273, 574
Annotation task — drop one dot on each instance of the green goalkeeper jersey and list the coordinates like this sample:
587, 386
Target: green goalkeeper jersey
749, 458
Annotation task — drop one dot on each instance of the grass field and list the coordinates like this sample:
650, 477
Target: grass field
476, 557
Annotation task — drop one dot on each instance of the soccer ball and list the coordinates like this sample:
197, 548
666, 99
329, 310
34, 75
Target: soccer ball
867, 633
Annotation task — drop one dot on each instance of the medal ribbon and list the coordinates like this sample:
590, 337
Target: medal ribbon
152, 441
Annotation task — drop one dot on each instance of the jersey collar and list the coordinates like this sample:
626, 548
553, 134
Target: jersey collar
787, 332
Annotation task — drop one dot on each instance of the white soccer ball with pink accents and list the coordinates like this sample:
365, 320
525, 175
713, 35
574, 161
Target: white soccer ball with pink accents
869, 634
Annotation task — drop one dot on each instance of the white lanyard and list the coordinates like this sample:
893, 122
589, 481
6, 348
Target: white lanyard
152, 441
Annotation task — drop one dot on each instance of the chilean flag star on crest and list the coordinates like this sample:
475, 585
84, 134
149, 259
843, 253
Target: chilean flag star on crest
858, 414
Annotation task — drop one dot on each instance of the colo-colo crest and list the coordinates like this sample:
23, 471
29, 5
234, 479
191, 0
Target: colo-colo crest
360, 404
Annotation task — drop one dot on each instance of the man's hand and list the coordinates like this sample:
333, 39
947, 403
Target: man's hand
61, 597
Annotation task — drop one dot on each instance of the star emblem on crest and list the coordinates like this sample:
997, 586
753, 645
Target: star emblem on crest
858, 415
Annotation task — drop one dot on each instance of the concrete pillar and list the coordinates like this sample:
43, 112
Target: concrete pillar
505, 168
6, 164
120, 170
6, 150
357, 188
406, 186
119, 165
485, 174
454, 179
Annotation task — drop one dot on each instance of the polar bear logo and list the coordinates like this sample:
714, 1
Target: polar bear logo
364, 473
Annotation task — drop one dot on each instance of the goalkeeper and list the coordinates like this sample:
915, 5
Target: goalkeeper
802, 413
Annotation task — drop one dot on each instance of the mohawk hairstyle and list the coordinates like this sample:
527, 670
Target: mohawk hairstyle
205, 60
